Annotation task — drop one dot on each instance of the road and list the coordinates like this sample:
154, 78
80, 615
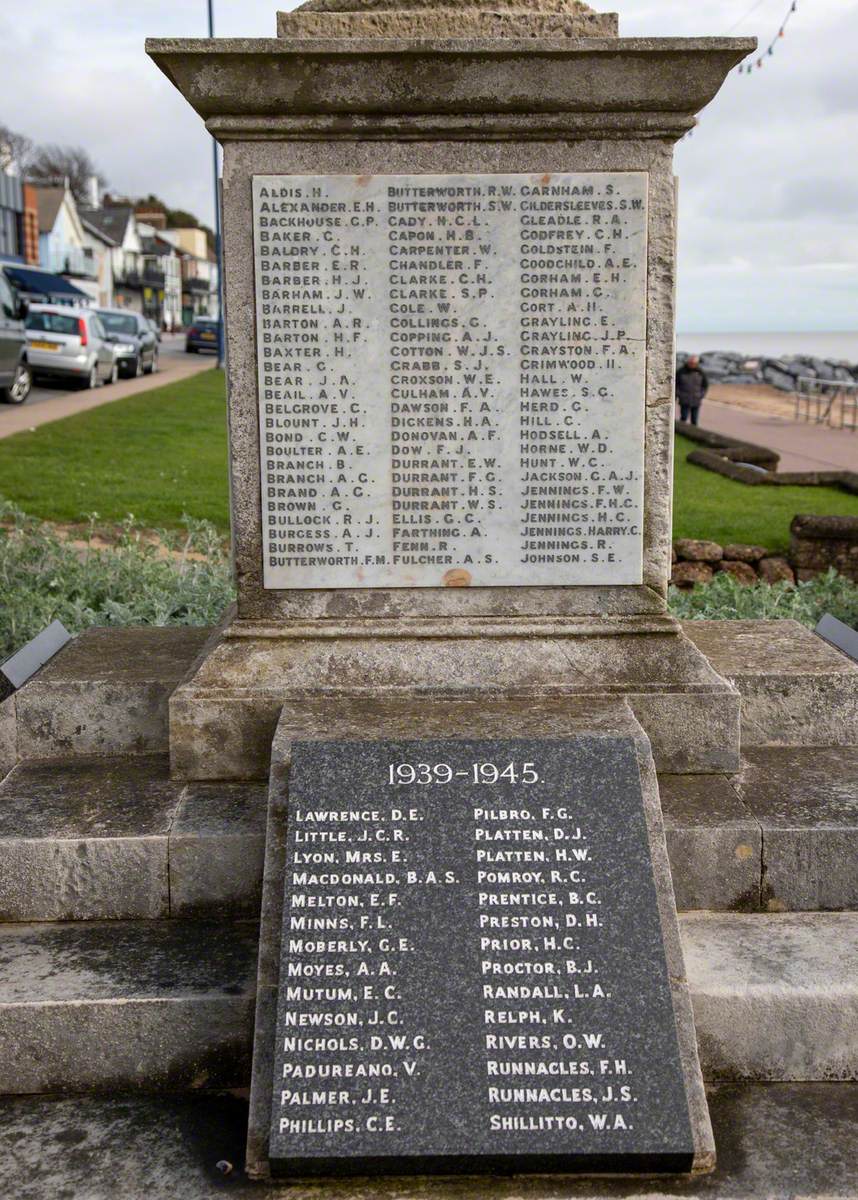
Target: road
172, 349
52, 401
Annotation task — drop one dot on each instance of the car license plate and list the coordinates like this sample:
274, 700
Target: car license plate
207, 337
45, 345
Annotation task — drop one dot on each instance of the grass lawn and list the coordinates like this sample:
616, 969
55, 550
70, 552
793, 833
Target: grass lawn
158, 455
163, 454
707, 505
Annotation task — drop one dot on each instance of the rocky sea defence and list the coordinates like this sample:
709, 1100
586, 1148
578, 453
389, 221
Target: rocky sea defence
723, 366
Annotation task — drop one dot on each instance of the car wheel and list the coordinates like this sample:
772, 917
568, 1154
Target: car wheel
190, 349
91, 380
138, 367
114, 373
19, 389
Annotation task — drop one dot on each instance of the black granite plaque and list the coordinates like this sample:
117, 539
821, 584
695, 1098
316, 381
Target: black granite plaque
473, 976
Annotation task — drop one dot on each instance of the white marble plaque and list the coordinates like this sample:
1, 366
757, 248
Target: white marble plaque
451, 379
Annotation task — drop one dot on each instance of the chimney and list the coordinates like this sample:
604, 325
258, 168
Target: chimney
93, 192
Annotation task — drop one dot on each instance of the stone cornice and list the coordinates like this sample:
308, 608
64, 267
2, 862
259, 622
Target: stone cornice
460, 88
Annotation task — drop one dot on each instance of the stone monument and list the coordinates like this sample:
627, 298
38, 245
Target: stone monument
449, 252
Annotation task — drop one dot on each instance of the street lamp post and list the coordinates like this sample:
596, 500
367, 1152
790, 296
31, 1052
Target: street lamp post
218, 238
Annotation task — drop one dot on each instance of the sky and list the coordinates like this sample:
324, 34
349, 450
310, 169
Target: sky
768, 182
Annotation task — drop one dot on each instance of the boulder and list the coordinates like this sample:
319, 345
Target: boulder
693, 550
688, 574
779, 379
740, 552
742, 572
776, 570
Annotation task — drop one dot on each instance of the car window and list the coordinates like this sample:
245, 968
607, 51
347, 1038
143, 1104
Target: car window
7, 300
47, 322
119, 322
97, 327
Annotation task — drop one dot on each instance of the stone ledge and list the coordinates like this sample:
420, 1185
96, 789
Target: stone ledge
223, 719
121, 1005
115, 838
775, 1141
106, 692
796, 689
775, 997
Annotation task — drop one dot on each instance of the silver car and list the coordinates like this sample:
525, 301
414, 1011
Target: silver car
69, 343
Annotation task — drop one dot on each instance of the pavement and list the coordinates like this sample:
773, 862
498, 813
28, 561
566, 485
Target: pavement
51, 401
802, 446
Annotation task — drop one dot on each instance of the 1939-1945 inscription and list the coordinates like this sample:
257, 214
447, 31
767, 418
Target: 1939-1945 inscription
473, 976
451, 379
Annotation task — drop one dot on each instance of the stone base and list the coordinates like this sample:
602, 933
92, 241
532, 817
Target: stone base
222, 718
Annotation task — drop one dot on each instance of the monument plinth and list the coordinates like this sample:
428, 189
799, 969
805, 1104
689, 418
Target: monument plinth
449, 244
449, 238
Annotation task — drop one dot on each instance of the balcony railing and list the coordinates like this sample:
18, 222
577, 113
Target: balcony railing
80, 264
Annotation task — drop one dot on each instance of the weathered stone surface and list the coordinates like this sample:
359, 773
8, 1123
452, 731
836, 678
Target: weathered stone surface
741, 552
694, 550
473, 18
796, 690
742, 572
775, 997
776, 570
819, 543
106, 693
106, 1006
715, 846
8, 736
224, 718
688, 574
217, 847
806, 802
778, 1141
87, 839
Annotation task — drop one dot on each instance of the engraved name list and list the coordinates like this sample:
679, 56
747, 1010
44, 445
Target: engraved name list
451, 379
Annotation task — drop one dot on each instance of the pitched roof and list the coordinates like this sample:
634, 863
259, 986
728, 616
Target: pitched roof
111, 222
92, 228
49, 201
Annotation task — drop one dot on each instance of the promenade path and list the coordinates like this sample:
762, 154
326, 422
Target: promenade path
802, 446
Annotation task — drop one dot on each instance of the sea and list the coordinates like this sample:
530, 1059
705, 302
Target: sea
833, 346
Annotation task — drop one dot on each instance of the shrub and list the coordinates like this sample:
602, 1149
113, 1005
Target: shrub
182, 579
727, 600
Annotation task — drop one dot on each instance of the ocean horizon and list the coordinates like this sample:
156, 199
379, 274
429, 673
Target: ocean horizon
837, 346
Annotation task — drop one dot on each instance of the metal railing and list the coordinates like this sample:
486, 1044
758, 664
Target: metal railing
831, 402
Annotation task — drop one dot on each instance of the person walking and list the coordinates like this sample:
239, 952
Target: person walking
692, 385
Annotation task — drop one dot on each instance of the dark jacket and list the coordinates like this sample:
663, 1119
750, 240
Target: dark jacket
691, 386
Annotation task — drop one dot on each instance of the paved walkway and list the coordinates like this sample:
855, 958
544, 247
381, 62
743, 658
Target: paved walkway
802, 447
18, 418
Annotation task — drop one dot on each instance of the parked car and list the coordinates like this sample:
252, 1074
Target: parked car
71, 343
155, 327
202, 335
136, 347
16, 378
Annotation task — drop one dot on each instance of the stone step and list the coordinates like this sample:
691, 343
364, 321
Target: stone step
781, 836
775, 997
797, 690
115, 838
100, 1006
106, 692
777, 1141
95, 1006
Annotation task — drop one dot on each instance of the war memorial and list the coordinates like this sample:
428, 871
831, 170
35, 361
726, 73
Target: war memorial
372, 891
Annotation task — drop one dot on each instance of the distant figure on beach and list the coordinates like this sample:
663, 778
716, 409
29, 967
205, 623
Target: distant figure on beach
691, 388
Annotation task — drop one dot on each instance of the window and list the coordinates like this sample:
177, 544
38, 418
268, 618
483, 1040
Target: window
46, 322
7, 300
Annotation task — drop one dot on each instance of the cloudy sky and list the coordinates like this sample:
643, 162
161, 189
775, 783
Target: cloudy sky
769, 182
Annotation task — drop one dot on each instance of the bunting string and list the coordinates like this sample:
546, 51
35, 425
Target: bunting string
757, 64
